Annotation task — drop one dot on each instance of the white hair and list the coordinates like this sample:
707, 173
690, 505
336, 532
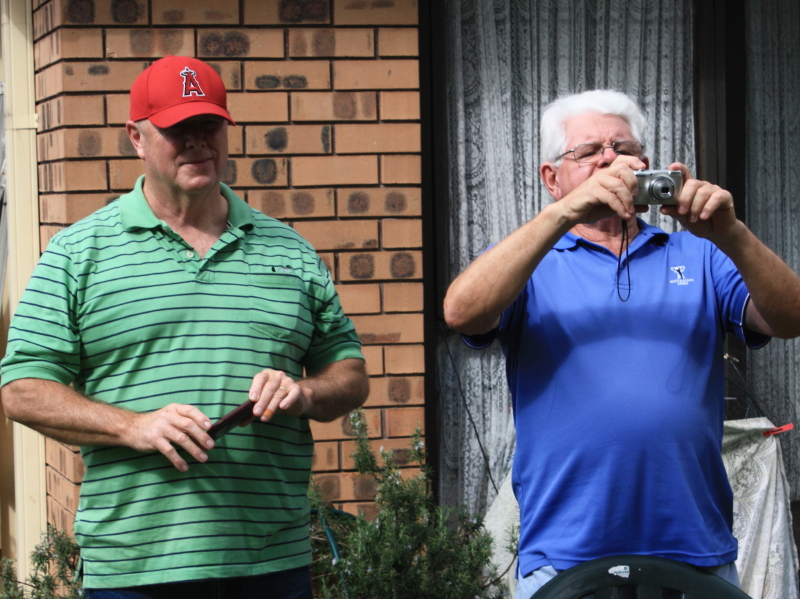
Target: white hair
602, 101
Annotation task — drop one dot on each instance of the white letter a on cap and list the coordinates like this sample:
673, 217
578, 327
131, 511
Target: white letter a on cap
190, 85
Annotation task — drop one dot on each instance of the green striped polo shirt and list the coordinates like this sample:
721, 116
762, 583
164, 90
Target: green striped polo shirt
121, 307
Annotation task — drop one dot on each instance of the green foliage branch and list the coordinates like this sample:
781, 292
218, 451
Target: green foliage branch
413, 549
54, 562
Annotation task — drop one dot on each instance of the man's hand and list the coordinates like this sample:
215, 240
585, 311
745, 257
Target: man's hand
607, 192
704, 209
178, 425
275, 392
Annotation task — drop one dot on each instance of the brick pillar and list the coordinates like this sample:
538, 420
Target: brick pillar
326, 96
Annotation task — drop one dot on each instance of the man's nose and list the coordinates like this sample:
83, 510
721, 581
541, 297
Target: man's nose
607, 156
195, 139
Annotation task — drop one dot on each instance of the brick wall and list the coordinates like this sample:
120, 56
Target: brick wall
326, 96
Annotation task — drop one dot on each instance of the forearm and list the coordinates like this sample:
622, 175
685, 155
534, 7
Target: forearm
477, 297
774, 288
337, 389
60, 412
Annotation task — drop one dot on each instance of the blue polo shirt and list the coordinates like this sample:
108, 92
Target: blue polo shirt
619, 405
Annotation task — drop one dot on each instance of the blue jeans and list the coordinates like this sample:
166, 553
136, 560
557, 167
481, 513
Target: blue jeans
289, 584
526, 587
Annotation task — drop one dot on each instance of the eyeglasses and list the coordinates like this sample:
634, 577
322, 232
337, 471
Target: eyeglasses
591, 152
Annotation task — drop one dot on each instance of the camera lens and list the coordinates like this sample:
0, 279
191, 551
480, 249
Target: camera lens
662, 189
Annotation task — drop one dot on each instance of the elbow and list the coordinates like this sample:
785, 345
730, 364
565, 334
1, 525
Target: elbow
10, 402
455, 317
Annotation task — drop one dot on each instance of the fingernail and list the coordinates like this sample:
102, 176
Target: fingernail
207, 424
257, 410
203, 457
210, 444
267, 415
183, 467
253, 395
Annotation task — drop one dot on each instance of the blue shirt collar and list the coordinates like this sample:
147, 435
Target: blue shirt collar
647, 233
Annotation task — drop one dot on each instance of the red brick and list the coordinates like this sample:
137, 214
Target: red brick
399, 448
70, 110
68, 43
256, 172
67, 462
340, 235
334, 106
360, 298
60, 517
228, 43
196, 12
402, 297
235, 140
399, 233
326, 456
63, 491
289, 139
327, 42
329, 260
56, 13
388, 201
376, 74
373, 355
368, 266
84, 143
46, 233
88, 175
293, 203
396, 391
404, 359
399, 106
287, 75
70, 208
398, 42
259, 107
259, 12
86, 77
118, 108
334, 170
377, 138
149, 43
401, 169
345, 486
230, 72
402, 422
123, 174
383, 329
341, 428
397, 12
368, 511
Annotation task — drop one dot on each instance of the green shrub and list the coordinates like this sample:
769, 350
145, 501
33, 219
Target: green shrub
413, 549
54, 561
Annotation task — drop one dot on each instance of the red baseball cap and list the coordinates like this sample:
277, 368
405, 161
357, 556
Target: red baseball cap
175, 88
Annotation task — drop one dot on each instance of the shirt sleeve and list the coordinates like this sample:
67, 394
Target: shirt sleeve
334, 337
43, 339
732, 299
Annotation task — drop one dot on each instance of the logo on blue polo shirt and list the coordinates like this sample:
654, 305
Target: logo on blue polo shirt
682, 278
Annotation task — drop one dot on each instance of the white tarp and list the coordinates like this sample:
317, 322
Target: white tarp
762, 521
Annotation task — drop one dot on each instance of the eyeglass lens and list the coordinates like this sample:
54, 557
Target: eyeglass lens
585, 152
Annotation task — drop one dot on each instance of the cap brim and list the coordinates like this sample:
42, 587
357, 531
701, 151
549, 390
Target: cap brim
180, 112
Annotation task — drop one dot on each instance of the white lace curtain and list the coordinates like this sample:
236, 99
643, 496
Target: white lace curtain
506, 60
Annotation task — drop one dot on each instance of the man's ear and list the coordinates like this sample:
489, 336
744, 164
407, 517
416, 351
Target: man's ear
135, 135
548, 172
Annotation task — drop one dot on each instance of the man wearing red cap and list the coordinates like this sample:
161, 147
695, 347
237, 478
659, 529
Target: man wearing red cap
164, 311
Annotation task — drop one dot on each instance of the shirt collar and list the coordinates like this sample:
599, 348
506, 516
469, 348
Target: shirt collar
647, 233
135, 212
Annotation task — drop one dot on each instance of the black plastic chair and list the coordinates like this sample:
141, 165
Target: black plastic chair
638, 577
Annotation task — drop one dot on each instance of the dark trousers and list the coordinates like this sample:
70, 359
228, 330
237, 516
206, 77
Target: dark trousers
289, 584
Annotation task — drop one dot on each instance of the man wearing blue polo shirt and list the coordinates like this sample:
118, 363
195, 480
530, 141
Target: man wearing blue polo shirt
613, 334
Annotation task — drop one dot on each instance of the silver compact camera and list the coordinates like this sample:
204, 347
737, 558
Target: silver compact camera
658, 187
